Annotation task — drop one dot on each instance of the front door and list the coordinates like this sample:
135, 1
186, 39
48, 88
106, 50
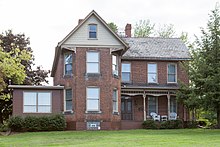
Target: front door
126, 109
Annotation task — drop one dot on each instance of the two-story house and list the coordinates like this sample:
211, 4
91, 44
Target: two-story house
103, 81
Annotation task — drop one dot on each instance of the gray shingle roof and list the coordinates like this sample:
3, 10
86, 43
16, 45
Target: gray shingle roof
156, 48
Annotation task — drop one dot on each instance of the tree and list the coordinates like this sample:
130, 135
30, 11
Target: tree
143, 29
165, 31
204, 69
10, 68
113, 26
15, 45
9, 41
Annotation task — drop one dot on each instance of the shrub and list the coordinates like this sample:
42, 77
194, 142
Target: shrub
3, 127
16, 123
190, 124
171, 124
31, 123
150, 124
40, 123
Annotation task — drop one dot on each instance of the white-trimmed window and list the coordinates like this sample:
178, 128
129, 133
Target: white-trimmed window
171, 74
115, 65
115, 100
68, 100
152, 72
173, 104
126, 72
92, 31
68, 67
92, 62
93, 96
37, 102
152, 104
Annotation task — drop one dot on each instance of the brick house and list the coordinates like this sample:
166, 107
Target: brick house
103, 81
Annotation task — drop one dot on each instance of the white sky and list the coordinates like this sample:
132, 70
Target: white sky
47, 22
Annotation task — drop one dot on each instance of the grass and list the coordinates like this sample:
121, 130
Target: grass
182, 137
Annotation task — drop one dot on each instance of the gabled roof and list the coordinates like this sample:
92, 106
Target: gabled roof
84, 20
58, 48
156, 48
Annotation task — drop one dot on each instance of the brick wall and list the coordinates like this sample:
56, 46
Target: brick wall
79, 81
139, 71
57, 98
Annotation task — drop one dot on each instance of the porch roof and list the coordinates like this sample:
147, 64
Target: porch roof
151, 86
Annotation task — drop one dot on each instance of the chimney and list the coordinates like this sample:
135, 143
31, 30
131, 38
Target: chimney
128, 30
79, 21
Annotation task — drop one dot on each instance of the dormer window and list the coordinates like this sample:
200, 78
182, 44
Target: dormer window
92, 31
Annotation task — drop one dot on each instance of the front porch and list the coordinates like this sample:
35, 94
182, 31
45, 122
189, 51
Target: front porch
137, 104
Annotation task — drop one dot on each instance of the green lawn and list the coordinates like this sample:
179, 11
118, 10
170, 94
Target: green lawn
186, 137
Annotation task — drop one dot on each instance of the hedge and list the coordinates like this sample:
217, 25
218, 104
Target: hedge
37, 123
170, 124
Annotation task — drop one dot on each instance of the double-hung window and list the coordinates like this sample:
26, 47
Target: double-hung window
114, 65
126, 72
152, 104
37, 102
92, 31
92, 62
93, 96
68, 100
115, 100
172, 76
152, 73
68, 69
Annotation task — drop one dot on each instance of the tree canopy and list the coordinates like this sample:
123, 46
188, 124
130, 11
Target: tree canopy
143, 28
16, 63
204, 69
113, 26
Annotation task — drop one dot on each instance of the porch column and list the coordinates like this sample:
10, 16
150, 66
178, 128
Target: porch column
144, 97
168, 105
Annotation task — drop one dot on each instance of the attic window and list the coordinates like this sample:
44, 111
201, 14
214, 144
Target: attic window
92, 31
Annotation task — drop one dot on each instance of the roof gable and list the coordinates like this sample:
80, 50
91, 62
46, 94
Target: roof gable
105, 36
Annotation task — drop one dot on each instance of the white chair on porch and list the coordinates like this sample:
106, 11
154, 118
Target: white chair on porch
155, 116
173, 116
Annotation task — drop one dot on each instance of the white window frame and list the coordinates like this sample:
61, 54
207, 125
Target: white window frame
92, 31
36, 105
92, 87
65, 109
156, 104
152, 73
126, 72
168, 72
64, 59
92, 62
115, 72
115, 101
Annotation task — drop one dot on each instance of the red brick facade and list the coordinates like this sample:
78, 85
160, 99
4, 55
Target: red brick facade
79, 80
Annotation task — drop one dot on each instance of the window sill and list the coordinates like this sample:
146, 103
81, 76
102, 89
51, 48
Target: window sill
115, 113
68, 112
93, 112
68, 76
93, 74
92, 38
115, 76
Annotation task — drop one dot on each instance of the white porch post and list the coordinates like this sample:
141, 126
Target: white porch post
168, 105
144, 97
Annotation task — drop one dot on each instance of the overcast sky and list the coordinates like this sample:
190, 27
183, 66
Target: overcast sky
46, 22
